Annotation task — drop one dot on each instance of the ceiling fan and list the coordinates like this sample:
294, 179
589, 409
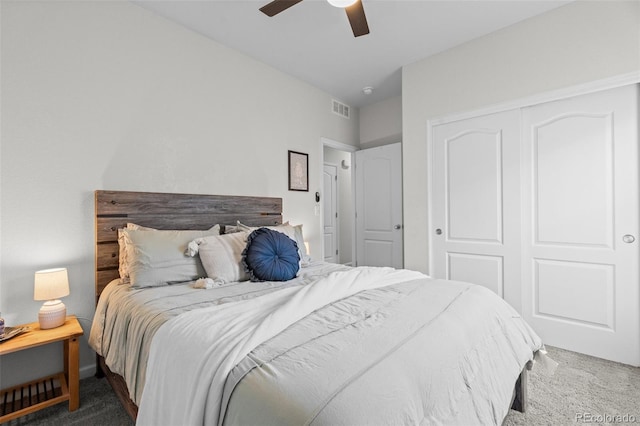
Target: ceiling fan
354, 9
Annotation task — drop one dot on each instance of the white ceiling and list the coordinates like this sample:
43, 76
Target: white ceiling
313, 40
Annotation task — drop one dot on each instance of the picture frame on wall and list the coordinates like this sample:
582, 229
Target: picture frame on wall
298, 171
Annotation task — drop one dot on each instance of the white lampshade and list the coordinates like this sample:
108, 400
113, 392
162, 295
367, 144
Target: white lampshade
341, 3
49, 285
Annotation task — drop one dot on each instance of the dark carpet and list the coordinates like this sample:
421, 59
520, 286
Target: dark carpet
99, 406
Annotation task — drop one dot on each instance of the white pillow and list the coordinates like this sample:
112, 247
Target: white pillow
292, 231
123, 263
123, 267
158, 258
221, 256
305, 259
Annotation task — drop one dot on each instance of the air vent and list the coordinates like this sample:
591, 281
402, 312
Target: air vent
340, 109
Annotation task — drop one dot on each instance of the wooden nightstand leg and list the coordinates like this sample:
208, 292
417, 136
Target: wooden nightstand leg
72, 372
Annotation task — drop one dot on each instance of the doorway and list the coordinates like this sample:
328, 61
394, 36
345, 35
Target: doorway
330, 213
338, 156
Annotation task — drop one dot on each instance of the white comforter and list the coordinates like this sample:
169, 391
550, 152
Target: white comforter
127, 319
192, 354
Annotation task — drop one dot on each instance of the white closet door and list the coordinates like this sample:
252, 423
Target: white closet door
580, 223
476, 202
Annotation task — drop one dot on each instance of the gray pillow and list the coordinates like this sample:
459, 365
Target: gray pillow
157, 258
123, 267
221, 256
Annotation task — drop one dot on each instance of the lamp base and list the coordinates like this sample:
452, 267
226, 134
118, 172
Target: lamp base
52, 314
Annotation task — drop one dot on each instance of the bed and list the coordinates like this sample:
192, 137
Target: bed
335, 345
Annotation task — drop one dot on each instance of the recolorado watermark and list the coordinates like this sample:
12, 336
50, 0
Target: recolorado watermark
606, 418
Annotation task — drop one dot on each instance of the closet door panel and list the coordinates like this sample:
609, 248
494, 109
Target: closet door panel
485, 270
476, 203
573, 180
557, 282
473, 186
580, 223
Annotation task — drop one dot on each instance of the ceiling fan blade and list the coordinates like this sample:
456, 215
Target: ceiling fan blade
357, 19
277, 6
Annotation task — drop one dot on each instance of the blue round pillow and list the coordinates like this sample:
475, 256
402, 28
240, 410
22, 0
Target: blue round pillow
270, 256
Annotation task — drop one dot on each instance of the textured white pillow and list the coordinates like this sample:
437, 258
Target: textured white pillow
221, 256
158, 258
123, 267
292, 231
305, 259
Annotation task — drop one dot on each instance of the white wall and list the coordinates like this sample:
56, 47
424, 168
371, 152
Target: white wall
577, 43
345, 201
381, 123
106, 95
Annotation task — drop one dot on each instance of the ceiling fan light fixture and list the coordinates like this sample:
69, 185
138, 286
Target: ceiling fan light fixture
353, 8
341, 3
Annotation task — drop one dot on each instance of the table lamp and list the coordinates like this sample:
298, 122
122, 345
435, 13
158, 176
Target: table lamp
50, 285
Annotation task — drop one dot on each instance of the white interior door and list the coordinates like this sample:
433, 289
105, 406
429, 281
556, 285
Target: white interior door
476, 203
379, 206
330, 213
580, 223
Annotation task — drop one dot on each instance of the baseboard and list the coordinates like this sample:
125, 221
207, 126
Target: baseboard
87, 371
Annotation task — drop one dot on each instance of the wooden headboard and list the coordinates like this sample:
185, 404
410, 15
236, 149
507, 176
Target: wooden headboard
114, 209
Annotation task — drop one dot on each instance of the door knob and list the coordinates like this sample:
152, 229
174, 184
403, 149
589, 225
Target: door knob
397, 227
438, 231
628, 238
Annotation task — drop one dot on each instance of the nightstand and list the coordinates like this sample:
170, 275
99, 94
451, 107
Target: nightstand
64, 386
